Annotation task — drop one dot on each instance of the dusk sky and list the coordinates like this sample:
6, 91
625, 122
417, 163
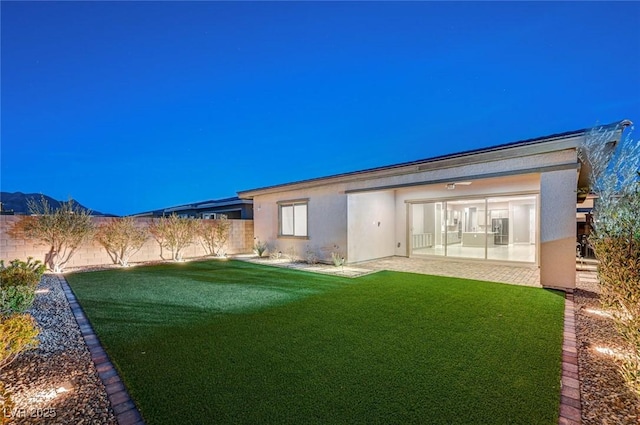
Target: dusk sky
134, 106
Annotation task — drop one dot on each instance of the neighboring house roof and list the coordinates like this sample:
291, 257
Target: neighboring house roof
537, 145
203, 205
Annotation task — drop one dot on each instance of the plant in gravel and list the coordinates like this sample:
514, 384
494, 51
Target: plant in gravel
121, 238
260, 247
337, 258
214, 235
174, 233
18, 282
18, 333
615, 178
291, 254
310, 255
274, 253
63, 229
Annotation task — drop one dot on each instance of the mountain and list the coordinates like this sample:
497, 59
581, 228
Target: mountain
18, 203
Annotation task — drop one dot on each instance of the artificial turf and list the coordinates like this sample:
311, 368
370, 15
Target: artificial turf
233, 342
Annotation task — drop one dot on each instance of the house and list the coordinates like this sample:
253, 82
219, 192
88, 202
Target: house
513, 203
232, 208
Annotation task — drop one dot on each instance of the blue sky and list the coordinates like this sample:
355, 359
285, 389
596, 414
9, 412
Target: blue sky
130, 106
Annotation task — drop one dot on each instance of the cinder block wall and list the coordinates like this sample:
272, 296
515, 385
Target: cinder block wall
93, 254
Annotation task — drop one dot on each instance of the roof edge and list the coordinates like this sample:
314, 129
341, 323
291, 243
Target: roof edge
521, 143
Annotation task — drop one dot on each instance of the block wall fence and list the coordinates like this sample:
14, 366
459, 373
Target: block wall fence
91, 253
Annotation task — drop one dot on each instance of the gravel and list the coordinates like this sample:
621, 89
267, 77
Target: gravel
604, 396
56, 383
37, 378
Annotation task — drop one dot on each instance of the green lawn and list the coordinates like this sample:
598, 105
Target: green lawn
233, 342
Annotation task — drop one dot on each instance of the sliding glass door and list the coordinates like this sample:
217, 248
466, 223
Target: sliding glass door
495, 228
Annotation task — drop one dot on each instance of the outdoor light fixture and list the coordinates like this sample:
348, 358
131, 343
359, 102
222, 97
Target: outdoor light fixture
452, 186
65, 387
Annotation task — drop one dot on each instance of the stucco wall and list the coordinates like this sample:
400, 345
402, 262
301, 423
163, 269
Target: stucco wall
339, 208
371, 225
92, 253
327, 222
558, 230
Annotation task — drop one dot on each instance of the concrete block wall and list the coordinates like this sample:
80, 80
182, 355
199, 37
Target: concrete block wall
92, 253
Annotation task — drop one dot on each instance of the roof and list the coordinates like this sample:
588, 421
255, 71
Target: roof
212, 203
422, 162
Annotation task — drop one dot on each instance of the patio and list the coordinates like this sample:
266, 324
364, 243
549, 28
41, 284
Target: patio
516, 275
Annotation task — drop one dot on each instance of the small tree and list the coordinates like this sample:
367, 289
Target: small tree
63, 229
121, 238
214, 235
616, 235
174, 233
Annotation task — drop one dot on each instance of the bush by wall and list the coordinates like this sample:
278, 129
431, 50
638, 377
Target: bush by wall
92, 253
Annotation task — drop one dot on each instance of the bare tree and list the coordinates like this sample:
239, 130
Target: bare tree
63, 229
214, 235
174, 233
121, 238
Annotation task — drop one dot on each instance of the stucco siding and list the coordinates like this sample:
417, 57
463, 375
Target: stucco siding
371, 225
558, 230
327, 221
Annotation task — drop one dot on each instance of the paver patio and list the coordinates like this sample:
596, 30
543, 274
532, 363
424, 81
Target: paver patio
516, 275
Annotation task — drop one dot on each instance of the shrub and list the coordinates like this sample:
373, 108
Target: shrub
310, 256
18, 333
6, 404
616, 236
274, 253
63, 229
16, 299
291, 254
174, 233
259, 247
214, 235
337, 258
121, 238
18, 282
20, 273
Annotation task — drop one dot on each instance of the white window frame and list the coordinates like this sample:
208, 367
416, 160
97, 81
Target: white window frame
294, 233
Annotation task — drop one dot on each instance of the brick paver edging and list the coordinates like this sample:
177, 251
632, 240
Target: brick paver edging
570, 408
122, 405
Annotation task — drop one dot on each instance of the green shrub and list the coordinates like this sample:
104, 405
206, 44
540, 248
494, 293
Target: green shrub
18, 283
21, 273
16, 299
18, 333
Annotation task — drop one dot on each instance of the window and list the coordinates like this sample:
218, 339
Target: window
293, 218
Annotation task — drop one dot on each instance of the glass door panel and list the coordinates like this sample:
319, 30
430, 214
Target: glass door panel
512, 222
427, 224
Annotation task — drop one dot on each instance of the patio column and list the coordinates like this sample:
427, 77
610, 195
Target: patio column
558, 229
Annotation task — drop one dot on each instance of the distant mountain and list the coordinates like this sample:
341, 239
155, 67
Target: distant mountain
18, 203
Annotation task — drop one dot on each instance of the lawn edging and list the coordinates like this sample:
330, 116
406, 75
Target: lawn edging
570, 407
124, 408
